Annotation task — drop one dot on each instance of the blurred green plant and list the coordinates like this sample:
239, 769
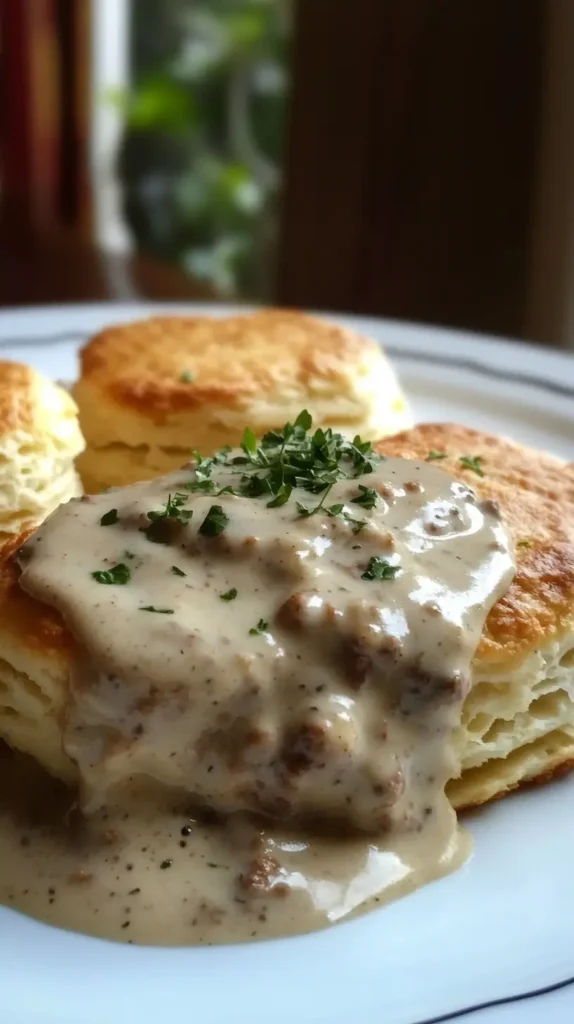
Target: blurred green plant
204, 124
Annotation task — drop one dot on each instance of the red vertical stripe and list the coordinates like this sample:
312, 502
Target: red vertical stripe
29, 133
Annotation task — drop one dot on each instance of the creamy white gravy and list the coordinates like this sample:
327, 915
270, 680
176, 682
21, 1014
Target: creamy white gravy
310, 714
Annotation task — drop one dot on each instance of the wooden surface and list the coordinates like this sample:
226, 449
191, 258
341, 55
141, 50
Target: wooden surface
412, 159
49, 266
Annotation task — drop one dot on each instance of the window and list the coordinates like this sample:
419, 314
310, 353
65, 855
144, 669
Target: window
196, 118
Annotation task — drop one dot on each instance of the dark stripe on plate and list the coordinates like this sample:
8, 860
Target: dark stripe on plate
397, 351
504, 1001
483, 369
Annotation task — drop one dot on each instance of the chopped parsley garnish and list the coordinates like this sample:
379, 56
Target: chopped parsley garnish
271, 468
356, 524
380, 569
177, 571
334, 511
367, 497
434, 456
172, 512
285, 459
158, 611
331, 510
229, 595
109, 518
260, 628
524, 544
282, 496
118, 575
204, 467
201, 486
304, 420
215, 522
472, 462
173, 509
249, 443
187, 377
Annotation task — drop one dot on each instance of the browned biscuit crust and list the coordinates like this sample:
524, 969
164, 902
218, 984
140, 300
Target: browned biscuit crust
18, 409
536, 495
167, 364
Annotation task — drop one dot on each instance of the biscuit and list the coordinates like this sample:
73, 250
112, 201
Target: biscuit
150, 392
518, 719
39, 440
35, 655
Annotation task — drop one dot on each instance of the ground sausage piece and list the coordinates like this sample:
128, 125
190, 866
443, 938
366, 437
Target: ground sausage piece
303, 747
261, 877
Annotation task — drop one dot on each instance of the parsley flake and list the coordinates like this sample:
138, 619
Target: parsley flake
524, 544
260, 628
249, 443
173, 509
118, 575
435, 456
282, 496
109, 518
187, 377
177, 571
200, 486
304, 420
172, 512
356, 524
367, 497
303, 510
229, 595
215, 522
294, 457
158, 611
472, 462
380, 569
334, 510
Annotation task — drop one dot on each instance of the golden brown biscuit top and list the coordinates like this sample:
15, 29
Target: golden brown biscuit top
30, 402
536, 495
17, 396
173, 363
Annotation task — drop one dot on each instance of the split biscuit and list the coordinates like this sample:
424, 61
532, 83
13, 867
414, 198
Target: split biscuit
39, 439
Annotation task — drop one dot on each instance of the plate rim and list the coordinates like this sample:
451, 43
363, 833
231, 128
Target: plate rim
494, 352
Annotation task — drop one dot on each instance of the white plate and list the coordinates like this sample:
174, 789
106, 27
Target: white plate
493, 933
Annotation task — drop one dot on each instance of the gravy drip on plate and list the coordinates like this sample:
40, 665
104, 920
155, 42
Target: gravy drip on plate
261, 706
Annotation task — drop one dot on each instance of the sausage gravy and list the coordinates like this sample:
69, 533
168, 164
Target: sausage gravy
273, 649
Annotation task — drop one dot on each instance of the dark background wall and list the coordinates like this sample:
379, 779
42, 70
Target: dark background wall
413, 158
